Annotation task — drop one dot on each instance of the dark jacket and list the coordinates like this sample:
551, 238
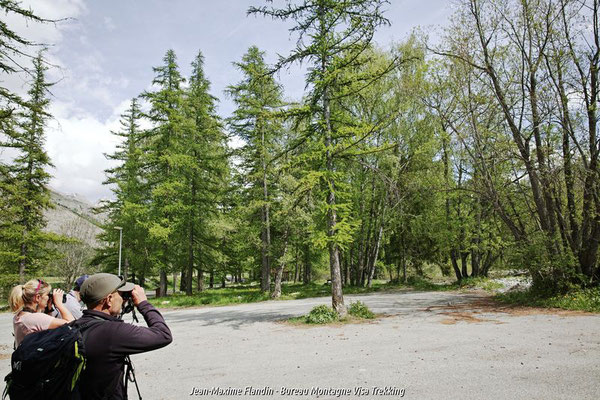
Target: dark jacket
108, 342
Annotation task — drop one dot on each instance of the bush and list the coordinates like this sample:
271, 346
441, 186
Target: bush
360, 310
321, 315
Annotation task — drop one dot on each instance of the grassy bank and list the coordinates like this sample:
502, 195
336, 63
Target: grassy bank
578, 300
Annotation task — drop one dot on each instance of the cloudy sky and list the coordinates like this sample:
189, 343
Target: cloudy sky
104, 53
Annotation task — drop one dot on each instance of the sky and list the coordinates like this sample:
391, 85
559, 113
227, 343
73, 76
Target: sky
102, 56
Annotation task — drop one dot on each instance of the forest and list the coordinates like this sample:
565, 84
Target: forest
471, 153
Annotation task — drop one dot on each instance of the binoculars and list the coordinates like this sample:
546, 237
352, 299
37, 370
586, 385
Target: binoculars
64, 299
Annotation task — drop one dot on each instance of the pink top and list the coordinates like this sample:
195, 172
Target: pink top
25, 323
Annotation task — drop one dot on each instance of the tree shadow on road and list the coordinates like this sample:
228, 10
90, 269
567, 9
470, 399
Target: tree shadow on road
411, 304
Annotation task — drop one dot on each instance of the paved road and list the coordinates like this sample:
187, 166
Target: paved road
429, 345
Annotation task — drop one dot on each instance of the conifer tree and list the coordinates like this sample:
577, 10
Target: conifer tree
332, 35
25, 181
257, 97
163, 164
127, 210
204, 149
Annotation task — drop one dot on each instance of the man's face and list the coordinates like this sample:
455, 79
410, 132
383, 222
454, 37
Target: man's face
115, 303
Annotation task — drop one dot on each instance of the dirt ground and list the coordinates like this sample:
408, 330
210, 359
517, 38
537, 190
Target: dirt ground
424, 345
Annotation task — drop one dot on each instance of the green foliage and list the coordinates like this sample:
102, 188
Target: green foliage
23, 184
360, 310
321, 315
420, 283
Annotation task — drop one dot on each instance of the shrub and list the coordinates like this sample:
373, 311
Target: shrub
360, 310
321, 315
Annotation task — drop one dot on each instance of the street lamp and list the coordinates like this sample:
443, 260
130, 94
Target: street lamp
120, 244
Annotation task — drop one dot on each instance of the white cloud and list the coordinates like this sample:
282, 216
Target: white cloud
64, 12
109, 24
76, 145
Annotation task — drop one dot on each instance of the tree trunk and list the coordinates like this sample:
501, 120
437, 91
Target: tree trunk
279, 273
375, 255
162, 288
307, 265
200, 280
337, 297
475, 262
464, 255
454, 260
297, 265
190, 264
265, 282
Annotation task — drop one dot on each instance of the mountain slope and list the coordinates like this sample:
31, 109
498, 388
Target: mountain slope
73, 216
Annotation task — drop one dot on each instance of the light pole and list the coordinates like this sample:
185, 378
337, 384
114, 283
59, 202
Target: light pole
120, 244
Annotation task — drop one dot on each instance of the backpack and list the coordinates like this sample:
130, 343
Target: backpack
47, 364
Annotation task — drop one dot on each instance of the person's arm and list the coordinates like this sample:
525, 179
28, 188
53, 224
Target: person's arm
66, 315
40, 322
56, 322
137, 339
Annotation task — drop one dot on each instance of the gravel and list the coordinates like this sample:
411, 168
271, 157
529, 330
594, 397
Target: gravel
426, 345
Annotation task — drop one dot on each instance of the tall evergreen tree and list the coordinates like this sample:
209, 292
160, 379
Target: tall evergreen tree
332, 37
257, 97
127, 210
25, 181
162, 163
204, 149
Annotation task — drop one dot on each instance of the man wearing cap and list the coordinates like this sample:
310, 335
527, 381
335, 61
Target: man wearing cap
109, 341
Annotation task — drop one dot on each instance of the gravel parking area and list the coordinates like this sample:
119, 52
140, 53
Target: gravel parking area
425, 345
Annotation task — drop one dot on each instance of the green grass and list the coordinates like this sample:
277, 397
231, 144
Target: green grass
251, 293
214, 297
579, 300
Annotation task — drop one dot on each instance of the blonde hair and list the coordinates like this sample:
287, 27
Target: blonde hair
22, 295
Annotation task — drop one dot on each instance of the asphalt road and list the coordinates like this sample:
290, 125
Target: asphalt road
427, 345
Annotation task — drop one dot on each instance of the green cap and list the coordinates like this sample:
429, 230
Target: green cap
98, 286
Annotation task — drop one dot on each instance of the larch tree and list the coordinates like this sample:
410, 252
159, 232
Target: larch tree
162, 164
258, 96
204, 150
127, 210
25, 180
332, 35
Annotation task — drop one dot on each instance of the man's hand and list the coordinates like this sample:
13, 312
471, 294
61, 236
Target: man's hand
138, 295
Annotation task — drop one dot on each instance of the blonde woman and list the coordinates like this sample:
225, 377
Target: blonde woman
29, 303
